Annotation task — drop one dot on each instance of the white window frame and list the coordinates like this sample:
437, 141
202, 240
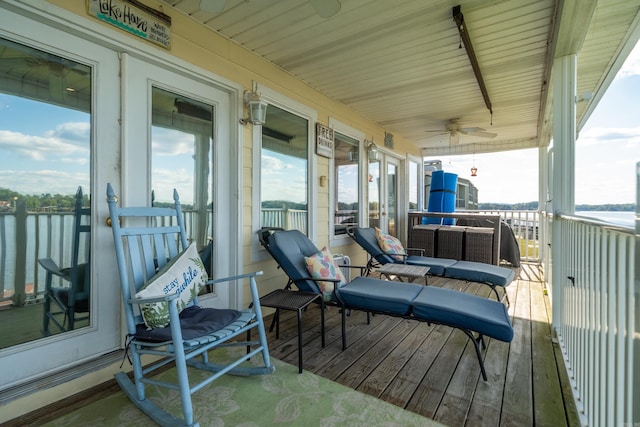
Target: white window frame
311, 115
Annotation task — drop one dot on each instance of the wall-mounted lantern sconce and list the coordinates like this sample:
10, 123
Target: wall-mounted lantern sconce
373, 151
257, 108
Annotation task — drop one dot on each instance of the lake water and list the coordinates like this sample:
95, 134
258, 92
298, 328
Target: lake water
625, 219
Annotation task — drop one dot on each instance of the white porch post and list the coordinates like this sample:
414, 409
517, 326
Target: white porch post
543, 198
563, 167
636, 311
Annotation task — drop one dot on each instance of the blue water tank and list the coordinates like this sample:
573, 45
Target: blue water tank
442, 196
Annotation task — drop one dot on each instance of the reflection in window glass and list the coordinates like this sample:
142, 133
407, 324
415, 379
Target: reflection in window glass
374, 193
346, 182
182, 158
45, 185
284, 171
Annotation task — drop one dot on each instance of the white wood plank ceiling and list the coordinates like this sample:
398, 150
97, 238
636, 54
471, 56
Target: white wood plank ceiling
399, 62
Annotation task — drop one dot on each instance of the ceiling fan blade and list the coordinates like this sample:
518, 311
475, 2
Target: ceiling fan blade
326, 8
212, 6
483, 134
471, 130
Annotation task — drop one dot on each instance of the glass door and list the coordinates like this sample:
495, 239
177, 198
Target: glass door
59, 116
391, 201
176, 119
384, 192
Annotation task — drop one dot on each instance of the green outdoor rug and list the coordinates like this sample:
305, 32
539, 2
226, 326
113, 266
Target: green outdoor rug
284, 398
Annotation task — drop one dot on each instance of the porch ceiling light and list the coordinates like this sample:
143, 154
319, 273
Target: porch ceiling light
373, 151
257, 109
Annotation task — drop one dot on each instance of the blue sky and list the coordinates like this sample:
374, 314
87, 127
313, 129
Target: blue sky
607, 150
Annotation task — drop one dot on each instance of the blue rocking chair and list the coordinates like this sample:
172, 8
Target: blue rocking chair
145, 251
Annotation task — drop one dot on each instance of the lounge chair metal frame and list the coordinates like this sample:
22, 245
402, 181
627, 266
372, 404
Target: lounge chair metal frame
141, 248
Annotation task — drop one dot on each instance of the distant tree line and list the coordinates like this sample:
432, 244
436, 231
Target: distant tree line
279, 204
531, 206
42, 202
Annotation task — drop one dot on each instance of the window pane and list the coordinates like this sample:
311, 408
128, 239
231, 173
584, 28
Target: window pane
374, 193
45, 184
414, 170
346, 182
182, 158
284, 171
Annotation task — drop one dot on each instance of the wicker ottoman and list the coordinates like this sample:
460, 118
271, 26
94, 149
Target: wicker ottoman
478, 244
450, 241
425, 237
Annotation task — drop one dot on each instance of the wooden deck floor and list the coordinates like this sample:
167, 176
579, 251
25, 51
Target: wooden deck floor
433, 370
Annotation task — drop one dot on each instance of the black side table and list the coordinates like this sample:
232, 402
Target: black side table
283, 299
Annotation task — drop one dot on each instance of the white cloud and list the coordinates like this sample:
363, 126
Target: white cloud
49, 147
631, 66
44, 181
169, 142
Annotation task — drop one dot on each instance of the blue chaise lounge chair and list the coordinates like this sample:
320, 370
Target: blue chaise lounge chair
492, 275
475, 316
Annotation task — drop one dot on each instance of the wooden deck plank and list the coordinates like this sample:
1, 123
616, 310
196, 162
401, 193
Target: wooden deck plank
408, 380
517, 407
547, 397
387, 372
486, 406
379, 350
431, 389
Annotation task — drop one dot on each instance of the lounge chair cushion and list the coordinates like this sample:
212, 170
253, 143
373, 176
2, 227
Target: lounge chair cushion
450, 307
480, 272
379, 295
290, 248
437, 266
185, 275
390, 245
322, 265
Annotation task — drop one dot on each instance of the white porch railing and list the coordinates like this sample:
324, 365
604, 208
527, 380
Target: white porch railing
595, 308
289, 219
526, 227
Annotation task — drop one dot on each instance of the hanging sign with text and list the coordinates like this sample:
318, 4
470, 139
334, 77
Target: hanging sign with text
324, 141
135, 18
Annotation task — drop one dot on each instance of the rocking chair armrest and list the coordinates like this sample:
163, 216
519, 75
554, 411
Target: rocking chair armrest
230, 278
148, 300
51, 267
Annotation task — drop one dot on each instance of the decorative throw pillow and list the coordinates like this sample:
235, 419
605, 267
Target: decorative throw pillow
184, 275
390, 245
323, 266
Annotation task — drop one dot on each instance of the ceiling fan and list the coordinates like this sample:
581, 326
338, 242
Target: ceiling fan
454, 129
324, 8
